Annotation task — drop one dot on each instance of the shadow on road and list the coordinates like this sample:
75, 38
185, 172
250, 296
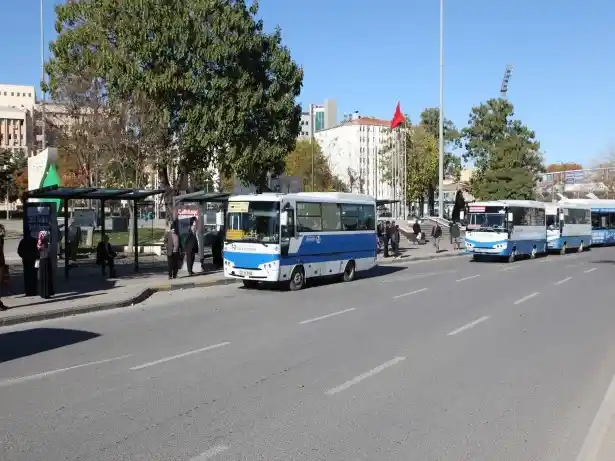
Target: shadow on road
604, 261
17, 344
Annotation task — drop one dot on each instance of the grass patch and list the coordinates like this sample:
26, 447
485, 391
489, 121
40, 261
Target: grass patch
147, 236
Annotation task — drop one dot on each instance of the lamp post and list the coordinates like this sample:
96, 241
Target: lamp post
441, 117
43, 140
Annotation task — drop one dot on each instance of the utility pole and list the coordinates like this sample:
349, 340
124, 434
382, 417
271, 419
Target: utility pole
43, 140
441, 121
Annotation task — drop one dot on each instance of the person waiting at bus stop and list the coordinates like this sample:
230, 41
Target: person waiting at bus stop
105, 256
28, 253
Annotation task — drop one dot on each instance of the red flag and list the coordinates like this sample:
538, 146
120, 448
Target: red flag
398, 118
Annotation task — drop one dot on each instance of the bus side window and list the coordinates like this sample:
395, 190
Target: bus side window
288, 231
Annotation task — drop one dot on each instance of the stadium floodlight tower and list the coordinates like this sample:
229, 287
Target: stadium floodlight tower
505, 80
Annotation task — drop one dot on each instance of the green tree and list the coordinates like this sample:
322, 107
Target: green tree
505, 153
226, 88
13, 168
430, 120
299, 164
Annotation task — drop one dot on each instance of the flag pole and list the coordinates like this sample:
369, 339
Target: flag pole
441, 117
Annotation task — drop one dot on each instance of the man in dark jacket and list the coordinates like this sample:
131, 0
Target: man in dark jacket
173, 247
436, 234
28, 253
191, 246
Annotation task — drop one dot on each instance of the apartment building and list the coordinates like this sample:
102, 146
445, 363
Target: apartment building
318, 118
16, 107
353, 149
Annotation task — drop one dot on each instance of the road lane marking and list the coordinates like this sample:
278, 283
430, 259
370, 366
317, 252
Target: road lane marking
363, 376
9, 382
590, 270
525, 298
563, 281
410, 293
316, 319
417, 276
467, 326
210, 453
597, 434
509, 268
468, 278
178, 356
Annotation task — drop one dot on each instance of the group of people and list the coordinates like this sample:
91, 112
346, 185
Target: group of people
388, 233
35, 255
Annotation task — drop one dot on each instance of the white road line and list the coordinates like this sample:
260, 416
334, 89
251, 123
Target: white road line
597, 434
562, 281
468, 326
525, 298
327, 316
509, 268
568, 266
410, 293
590, 270
9, 382
416, 276
210, 453
360, 378
179, 356
468, 278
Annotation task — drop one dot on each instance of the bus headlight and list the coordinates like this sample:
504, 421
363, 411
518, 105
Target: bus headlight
499, 246
272, 266
228, 263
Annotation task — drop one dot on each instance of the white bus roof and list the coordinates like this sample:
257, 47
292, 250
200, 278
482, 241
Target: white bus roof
333, 197
522, 203
574, 205
590, 202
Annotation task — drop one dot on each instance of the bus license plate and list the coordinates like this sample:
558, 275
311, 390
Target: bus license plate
243, 273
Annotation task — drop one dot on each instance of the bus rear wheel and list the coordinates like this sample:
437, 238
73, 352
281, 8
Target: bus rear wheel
533, 253
350, 272
562, 250
297, 279
580, 249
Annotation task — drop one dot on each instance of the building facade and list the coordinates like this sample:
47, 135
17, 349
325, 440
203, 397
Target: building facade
16, 108
354, 149
318, 118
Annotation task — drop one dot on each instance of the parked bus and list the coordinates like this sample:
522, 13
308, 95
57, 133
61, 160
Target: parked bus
291, 238
602, 219
568, 226
506, 228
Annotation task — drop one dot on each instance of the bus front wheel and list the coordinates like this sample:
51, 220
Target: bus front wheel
350, 272
580, 249
512, 256
297, 279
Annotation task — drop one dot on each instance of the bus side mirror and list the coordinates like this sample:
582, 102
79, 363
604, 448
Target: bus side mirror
284, 218
510, 218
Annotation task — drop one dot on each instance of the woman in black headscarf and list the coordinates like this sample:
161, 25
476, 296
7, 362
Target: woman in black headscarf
45, 274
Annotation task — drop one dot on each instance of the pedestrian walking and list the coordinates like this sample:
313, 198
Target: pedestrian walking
456, 233
3, 266
28, 253
436, 234
395, 239
387, 236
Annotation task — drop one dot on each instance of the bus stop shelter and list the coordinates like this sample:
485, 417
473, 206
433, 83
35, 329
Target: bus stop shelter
201, 198
65, 194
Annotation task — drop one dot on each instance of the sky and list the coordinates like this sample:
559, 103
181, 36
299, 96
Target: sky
368, 55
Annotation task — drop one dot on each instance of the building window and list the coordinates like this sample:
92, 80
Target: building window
29, 95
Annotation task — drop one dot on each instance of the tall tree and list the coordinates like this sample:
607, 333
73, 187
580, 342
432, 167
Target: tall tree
505, 152
430, 120
226, 87
13, 170
299, 163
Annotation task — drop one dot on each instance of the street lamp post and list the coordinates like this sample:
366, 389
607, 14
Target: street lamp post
43, 140
441, 118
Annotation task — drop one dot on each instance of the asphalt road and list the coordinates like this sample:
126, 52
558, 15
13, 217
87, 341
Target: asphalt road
444, 360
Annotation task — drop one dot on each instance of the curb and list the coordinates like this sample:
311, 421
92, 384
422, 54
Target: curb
128, 302
410, 259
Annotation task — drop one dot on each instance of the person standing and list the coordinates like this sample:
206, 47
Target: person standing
173, 247
45, 274
28, 253
3, 267
436, 234
105, 257
387, 237
395, 239
192, 246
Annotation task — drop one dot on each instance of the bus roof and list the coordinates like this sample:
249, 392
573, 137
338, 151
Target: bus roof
590, 202
573, 205
521, 203
326, 197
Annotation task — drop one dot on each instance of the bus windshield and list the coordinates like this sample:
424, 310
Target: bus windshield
486, 221
253, 222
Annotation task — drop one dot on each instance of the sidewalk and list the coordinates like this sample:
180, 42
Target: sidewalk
87, 290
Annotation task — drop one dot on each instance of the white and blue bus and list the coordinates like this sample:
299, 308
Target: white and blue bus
602, 219
568, 226
506, 228
291, 238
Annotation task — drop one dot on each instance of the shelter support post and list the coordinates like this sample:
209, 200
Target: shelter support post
102, 231
135, 233
66, 248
